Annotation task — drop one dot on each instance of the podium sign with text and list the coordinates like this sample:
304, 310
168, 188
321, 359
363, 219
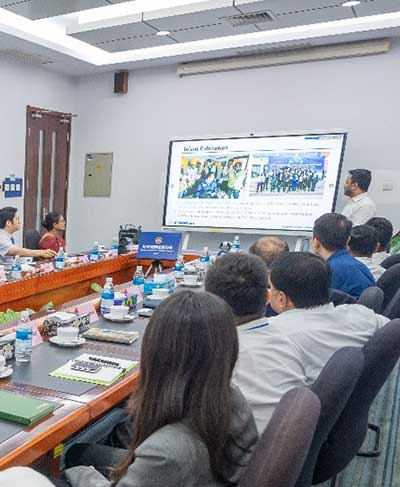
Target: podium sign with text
159, 245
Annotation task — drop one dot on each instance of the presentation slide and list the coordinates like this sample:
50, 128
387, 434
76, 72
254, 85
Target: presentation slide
280, 183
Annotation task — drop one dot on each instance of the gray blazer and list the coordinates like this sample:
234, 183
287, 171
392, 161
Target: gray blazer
174, 456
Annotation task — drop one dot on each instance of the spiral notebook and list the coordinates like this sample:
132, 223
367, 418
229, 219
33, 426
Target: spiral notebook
109, 369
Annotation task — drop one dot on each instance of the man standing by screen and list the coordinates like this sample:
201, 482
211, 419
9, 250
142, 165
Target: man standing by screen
361, 207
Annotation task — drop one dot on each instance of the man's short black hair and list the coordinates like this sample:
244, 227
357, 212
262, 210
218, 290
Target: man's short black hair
333, 231
362, 177
305, 278
384, 229
363, 240
241, 281
7, 214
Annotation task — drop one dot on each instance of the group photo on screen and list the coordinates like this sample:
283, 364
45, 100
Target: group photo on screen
303, 172
217, 177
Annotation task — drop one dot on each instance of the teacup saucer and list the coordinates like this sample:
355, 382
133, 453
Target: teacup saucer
189, 285
6, 372
118, 319
64, 343
156, 298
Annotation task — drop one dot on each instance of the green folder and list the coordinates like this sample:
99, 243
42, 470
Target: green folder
23, 409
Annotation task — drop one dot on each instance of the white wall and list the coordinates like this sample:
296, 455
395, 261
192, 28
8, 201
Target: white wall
22, 85
360, 94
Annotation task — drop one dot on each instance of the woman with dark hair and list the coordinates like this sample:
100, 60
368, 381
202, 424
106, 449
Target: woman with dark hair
54, 223
191, 428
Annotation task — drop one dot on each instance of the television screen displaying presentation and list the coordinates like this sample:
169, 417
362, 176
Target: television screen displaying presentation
278, 182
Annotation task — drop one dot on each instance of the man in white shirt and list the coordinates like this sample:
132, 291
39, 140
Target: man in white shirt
291, 349
360, 208
384, 229
9, 224
362, 245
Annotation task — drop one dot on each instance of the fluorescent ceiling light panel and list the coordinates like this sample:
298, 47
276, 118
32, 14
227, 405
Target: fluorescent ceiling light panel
351, 3
50, 37
135, 7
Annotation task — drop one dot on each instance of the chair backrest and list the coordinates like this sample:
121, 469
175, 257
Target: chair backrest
389, 261
32, 239
392, 310
333, 387
381, 354
338, 297
372, 298
283, 446
389, 282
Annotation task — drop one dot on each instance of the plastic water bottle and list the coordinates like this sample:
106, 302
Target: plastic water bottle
107, 297
114, 247
205, 259
236, 244
138, 278
179, 266
60, 259
94, 253
16, 269
23, 338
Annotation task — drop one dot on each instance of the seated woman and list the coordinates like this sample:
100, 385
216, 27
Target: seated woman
190, 426
54, 223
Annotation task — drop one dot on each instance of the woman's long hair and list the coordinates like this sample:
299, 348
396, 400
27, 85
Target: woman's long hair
189, 350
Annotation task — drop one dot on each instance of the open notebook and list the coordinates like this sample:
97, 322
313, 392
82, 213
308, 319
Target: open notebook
105, 370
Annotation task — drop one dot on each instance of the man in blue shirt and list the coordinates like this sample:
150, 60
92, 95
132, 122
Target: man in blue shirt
331, 234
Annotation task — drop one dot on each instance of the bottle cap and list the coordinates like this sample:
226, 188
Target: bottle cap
25, 313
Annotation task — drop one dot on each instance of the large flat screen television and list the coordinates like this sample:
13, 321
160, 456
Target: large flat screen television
277, 183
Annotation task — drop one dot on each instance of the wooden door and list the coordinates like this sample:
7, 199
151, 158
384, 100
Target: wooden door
48, 136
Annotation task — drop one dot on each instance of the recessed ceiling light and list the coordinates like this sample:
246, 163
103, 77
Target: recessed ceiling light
163, 33
351, 3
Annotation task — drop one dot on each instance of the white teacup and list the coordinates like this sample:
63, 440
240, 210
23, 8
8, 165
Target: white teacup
160, 278
190, 279
160, 293
2, 363
68, 333
119, 312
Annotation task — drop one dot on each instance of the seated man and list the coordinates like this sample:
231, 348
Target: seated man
269, 248
289, 350
362, 245
9, 224
384, 229
331, 234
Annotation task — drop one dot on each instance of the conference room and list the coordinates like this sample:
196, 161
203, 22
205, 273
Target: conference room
199, 243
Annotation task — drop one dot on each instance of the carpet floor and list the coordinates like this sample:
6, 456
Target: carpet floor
382, 471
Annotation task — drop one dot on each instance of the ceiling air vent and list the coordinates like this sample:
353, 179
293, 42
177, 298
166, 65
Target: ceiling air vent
250, 18
25, 57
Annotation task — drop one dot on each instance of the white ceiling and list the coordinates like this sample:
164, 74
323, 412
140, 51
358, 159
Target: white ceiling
133, 42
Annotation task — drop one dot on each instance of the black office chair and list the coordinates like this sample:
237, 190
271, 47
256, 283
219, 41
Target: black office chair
338, 297
389, 282
372, 298
32, 239
389, 261
333, 387
284, 444
392, 310
381, 354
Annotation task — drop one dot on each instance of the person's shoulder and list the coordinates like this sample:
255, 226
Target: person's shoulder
354, 311
176, 441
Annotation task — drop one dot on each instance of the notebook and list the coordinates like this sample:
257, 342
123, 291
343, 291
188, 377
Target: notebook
117, 336
23, 409
110, 369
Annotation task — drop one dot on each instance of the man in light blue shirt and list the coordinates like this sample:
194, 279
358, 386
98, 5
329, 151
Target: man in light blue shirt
9, 224
331, 235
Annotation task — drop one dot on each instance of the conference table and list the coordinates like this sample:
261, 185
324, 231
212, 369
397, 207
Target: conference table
78, 404
61, 286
